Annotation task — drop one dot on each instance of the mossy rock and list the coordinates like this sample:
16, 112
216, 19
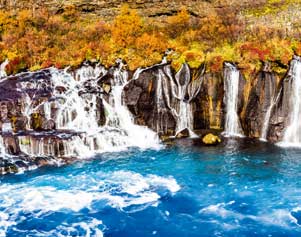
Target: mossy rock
25, 141
10, 169
107, 88
36, 121
211, 139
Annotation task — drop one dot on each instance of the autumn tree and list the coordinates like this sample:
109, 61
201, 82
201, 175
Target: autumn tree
127, 26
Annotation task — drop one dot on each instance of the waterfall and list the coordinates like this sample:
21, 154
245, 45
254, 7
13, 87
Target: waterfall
120, 118
292, 134
265, 126
51, 146
87, 118
231, 87
174, 95
80, 113
184, 110
162, 100
2, 68
2, 148
266, 121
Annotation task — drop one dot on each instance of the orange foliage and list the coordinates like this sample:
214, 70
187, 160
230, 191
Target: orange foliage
126, 27
32, 40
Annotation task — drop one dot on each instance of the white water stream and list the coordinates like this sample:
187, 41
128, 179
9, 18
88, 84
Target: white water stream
292, 135
231, 86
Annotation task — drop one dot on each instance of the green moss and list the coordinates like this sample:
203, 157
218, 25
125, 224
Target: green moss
25, 141
271, 7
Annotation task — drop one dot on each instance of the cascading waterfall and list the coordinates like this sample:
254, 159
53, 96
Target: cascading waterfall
87, 120
3, 74
2, 148
2, 68
173, 95
121, 119
185, 113
47, 146
79, 113
292, 135
231, 87
162, 100
265, 126
266, 121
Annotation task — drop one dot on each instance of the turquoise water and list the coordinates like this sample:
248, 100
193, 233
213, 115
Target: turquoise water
243, 188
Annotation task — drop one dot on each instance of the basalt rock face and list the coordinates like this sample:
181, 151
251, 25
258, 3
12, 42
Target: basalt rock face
17, 92
281, 112
164, 100
208, 111
148, 97
61, 114
29, 109
109, 9
262, 96
51, 116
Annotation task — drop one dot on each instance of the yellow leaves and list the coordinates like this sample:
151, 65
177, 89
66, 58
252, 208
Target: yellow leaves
228, 52
24, 16
296, 47
150, 42
220, 54
35, 68
126, 27
180, 19
5, 20
10, 55
178, 24
194, 56
43, 39
70, 14
280, 50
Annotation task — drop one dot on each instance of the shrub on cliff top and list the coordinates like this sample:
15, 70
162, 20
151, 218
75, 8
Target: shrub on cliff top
39, 39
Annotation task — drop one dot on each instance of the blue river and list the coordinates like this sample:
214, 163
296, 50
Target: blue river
239, 188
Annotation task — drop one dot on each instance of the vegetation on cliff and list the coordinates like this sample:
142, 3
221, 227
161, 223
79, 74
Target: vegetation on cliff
33, 39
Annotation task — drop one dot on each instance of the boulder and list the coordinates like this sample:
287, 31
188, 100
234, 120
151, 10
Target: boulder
106, 88
211, 139
36, 121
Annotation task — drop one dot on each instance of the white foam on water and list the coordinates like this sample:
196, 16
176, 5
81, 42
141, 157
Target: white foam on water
124, 190
277, 217
5, 223
93, 228
288, 144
